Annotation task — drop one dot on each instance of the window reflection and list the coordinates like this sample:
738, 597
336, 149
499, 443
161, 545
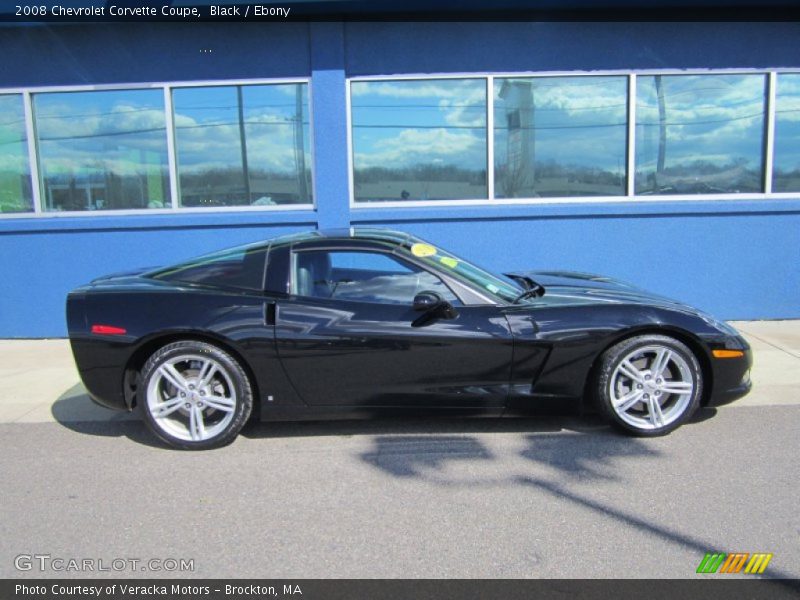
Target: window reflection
102, 150
786, 165
241, 267
699, 134
363, 277
243, 145
560, 136
249, 145
15, 177
419, 140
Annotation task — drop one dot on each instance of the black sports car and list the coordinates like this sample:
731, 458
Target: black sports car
367, 321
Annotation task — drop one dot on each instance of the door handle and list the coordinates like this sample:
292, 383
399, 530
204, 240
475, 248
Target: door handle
270, 313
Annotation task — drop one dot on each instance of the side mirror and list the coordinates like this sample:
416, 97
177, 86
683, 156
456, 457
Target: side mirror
425, 301
432, 305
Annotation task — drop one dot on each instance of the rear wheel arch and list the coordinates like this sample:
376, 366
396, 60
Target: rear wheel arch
147, 349
194, 395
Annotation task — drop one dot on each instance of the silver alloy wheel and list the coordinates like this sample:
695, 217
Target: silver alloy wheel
651, 387
191, 397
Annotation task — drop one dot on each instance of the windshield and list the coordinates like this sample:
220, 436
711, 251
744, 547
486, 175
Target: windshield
471, 274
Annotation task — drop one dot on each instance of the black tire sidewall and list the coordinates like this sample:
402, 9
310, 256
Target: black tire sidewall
614, 355
241, 384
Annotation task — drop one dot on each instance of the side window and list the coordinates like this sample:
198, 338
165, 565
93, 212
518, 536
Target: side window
236, 268
362, 277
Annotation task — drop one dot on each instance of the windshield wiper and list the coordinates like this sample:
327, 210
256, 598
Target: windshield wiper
532, 289
535, 292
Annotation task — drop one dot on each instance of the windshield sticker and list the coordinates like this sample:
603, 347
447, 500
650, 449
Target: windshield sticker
423, 250
492, 288
449, 262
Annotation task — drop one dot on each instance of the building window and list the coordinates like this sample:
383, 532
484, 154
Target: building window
104, 150
560, 136
243, 145
419, 139
786, 159
15, 175
700, 134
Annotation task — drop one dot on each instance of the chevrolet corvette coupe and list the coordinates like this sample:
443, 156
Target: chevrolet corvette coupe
363, 322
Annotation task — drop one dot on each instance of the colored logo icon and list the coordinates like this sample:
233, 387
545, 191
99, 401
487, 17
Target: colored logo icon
719, 562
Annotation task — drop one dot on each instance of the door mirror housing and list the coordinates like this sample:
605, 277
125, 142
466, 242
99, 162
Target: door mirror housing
425, 301
433, 305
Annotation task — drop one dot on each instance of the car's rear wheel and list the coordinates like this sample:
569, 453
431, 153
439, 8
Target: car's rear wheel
649, 385
196, 395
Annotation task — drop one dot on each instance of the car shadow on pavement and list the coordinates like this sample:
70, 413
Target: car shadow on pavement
558, 461
421, 425
704, 413
440, 424
580, 453
76, 411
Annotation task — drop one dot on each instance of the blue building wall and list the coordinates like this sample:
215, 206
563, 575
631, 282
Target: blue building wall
737, 258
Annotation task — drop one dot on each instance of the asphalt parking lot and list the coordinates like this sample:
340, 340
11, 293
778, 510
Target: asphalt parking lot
549, 497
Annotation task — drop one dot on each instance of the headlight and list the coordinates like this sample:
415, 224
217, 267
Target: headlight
719, 325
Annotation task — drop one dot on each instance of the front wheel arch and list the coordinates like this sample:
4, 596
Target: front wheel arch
692, 342
659, 367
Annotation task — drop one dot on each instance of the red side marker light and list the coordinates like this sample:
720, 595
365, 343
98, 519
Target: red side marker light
108, 330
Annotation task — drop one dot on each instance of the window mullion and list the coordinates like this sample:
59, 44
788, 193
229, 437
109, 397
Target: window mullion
490, 136
769, 140
172, 159
631, 163
33, 162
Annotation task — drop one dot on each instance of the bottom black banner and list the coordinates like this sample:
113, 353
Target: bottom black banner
397, 589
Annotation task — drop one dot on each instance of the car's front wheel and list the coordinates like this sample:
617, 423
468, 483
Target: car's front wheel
649, 385
195, 395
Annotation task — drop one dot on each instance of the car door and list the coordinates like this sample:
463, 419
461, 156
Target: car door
348, 335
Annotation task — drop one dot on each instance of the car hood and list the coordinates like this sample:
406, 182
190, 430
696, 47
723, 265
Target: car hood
123, 274
565, 288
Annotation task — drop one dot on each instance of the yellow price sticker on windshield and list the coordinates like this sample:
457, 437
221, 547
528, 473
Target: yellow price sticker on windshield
423, 250
449, 262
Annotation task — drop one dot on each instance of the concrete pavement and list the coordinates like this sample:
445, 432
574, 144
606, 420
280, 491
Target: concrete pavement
42, 384
547, 497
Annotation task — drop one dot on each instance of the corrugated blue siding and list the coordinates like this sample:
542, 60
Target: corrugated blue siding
739, 259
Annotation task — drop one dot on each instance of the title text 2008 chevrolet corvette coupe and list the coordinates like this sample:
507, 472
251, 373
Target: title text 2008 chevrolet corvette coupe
368, 321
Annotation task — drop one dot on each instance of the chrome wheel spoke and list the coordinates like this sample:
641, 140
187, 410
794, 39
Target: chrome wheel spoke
628, 400
660, 362
192, 397
167, 407
628, 369
654, 408
677, 387
220, 403
207, 371
641, 396
197, 427
171, 374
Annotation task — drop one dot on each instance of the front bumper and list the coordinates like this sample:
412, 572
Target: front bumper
731, 377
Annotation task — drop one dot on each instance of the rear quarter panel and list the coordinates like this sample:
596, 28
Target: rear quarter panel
154, 315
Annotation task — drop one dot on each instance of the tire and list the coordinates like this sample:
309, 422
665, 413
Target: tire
195, 396
649, 385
